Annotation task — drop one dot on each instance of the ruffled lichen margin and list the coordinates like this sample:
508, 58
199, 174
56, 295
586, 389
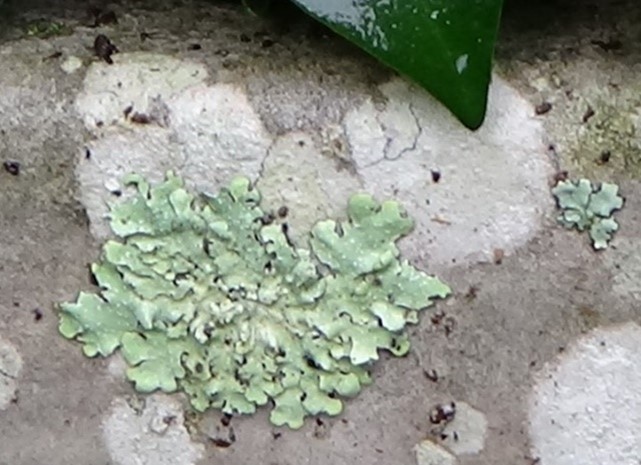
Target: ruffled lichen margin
207, 295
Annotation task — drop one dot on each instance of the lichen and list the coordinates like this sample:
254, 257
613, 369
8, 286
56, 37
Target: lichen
608, 135
44, 29
586, 207
206, 295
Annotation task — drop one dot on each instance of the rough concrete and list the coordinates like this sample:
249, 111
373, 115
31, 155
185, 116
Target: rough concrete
585, 407
152, 433
411, 149
312, 119
429, 453
10, 367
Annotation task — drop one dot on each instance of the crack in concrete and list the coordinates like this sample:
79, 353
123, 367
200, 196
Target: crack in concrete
6, 374
261, 170
388, 141
419, 133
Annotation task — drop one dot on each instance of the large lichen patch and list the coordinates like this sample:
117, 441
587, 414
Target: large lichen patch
204, 294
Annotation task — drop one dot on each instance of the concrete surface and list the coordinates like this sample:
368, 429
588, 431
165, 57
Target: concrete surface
310, 119
592, 389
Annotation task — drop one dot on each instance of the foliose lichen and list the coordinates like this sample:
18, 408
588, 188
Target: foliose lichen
586, 207
204, 294
45, 29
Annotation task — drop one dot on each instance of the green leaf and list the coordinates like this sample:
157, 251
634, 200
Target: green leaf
446, 46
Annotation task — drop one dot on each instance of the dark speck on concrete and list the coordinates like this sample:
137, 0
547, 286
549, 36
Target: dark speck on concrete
543, 108
12, 167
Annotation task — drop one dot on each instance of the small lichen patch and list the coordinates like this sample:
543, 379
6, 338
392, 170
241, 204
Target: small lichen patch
586, 207
610, 131
44, 29
202, 295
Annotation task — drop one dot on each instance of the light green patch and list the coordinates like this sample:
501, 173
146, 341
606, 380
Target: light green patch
44, 29
585, 207
202, 297
609, 135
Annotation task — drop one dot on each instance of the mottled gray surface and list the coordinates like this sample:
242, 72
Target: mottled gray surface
508, 319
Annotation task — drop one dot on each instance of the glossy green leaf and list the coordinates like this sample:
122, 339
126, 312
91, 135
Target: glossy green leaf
446, 46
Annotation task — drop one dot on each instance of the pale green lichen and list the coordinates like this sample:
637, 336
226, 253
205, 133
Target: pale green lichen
202, 296
611, 132
588, 208
44, 29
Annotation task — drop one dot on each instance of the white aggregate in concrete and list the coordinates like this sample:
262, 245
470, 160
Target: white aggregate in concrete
625, 258
117, 366
493, 188
297, 175
154, 436
134, 79
586, 407
466, 433
492, 193
208, 134
10, 367
429, 453
71, 64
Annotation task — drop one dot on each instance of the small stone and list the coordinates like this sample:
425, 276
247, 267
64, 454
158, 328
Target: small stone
71, 64
543, 108
158, 424
499, 254
282, 211
112, 185
466, 433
